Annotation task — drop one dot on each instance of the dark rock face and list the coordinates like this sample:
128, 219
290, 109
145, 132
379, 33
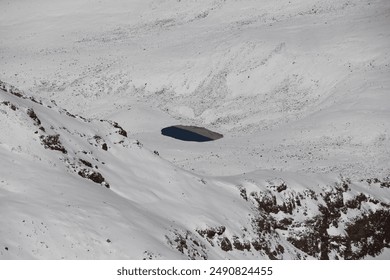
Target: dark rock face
190, 133
9, 104
53, 142
238, 245
94, 176
86, 163
334, 222
188, 244
120, 131
33, 116
211, 232
226, 245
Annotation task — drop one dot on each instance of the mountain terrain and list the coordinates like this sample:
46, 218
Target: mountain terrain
299, 90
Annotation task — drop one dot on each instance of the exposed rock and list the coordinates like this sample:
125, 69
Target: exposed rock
93, 176
53, 142
34, 117
226, 245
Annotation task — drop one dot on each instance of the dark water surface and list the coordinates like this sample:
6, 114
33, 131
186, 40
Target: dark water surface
190, 133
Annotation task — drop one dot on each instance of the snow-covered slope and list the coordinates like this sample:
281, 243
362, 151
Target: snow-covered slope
80, 188
304, 84
299, 89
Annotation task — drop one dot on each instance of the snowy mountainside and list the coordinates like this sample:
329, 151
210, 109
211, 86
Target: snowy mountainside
302, 83
299, 89
92, 192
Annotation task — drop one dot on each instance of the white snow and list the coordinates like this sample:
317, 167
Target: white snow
299, 89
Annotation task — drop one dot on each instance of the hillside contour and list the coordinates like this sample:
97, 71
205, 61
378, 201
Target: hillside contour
298, 89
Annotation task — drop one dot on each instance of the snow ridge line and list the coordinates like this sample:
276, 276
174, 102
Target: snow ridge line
50, 137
